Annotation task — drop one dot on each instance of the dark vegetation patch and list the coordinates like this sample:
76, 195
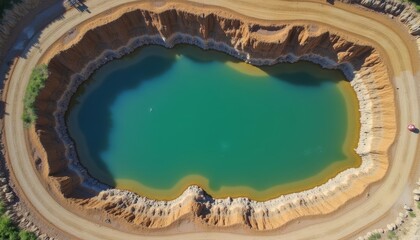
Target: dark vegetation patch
36, 82
8, 230
7, 4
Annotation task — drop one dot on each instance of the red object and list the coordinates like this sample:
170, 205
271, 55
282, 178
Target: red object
411, 127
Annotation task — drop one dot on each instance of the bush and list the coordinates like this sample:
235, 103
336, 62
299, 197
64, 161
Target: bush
375, 236
24, 235
9, 231
412, 214
392, 235
36, 82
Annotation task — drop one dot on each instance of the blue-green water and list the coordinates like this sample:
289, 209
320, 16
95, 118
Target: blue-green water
159, 116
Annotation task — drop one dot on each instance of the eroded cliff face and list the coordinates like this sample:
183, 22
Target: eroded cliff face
83, 50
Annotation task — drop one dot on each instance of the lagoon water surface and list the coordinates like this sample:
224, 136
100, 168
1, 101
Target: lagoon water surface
160, 120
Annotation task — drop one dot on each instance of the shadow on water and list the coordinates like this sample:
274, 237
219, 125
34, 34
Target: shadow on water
202, 56
120, 80
302, 74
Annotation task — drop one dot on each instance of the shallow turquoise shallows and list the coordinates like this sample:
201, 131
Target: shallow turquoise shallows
161, 119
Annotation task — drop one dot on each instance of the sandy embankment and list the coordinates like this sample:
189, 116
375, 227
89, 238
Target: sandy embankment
73, 59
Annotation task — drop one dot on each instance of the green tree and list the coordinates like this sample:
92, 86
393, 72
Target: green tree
392, 235
25, 235
9, 231
375, 236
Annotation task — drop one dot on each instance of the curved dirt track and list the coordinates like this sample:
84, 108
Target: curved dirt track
399, 51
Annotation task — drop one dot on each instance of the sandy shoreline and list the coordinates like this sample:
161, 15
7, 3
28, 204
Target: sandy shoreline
394, 72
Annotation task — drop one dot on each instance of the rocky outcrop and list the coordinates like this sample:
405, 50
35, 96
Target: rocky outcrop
406, 12
79, 53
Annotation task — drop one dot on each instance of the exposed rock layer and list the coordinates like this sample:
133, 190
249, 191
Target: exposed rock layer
83, 50
403, 10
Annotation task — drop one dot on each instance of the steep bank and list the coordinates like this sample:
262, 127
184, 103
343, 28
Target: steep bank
256, 43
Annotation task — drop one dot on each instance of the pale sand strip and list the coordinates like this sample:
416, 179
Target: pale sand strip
405, 153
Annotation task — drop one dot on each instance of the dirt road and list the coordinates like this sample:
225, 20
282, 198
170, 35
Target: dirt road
400, 51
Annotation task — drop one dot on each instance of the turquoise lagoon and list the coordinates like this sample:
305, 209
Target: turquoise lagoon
160, 120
